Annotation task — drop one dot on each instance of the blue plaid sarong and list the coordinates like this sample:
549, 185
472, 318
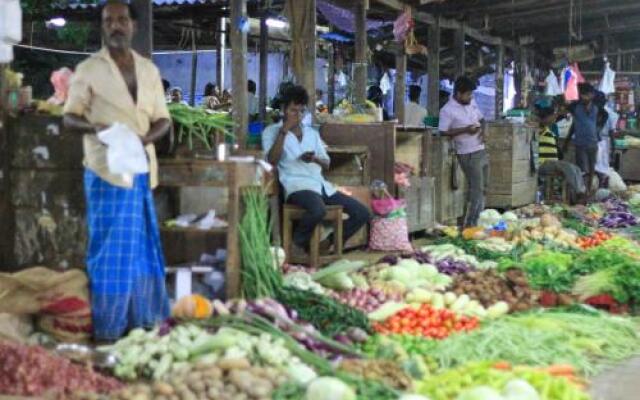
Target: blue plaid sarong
125, 263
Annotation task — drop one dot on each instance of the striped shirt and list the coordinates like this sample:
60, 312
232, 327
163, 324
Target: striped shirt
547, 146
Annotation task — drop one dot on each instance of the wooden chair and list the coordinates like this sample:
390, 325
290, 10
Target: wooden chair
291, 213
555, 189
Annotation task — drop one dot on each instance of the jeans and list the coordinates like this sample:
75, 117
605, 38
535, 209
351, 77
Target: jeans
476, 169
314, 204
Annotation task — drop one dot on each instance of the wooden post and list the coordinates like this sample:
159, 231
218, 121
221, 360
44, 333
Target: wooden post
459, 51
360, 68
239, 74
220, 50
143, 37
331, 84
194, 70
264, 63
433, 67
305, 72
310, 54
400, 89
499, 81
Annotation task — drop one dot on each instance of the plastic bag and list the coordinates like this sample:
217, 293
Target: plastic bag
125, 152
389, 234
616, 184
60, 80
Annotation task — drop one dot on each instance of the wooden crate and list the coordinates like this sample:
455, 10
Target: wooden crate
350, 165
630, 165
379, 137
511, 182
420, 198
363, 195
449, 200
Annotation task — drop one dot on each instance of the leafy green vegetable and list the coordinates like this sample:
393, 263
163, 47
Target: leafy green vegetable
549, 270
588, 342
200, 124
259, 278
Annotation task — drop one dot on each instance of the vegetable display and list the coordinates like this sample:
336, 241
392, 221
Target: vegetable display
595, 239
197, 123
426, 321
489, 287
222, 380
32, 371
259, 277
328, 315
617, 215
482, 381
586, 341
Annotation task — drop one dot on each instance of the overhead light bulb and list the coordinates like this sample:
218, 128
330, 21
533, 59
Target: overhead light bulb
276, 23
58, 22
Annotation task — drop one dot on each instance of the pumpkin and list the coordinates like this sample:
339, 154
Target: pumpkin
193, 306
475, 233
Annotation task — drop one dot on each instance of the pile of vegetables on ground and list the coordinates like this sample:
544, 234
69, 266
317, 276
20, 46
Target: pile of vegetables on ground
495, 312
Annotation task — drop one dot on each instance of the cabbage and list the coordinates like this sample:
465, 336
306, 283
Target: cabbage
509, 217
329, 388
488, 218
339, 281
480, 393
518, 389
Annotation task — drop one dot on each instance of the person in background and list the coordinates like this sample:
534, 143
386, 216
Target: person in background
607, 125
125, 262
584, 132
210, 99
253, 104
461, 120
319, 100
548, 153
176, 96
166, 85
300, 157
375, 95
414, 113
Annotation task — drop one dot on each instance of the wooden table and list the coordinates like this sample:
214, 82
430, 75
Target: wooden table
233, 176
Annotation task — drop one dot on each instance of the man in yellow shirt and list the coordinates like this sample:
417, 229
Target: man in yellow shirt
125, 263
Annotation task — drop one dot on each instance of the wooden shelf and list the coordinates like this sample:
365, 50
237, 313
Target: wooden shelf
232, 175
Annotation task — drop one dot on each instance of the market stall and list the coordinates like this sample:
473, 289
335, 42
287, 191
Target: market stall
513, 180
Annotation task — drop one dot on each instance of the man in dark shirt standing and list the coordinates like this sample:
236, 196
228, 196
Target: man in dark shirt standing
584, 132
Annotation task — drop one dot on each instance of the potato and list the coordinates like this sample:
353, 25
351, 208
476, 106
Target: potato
234, 363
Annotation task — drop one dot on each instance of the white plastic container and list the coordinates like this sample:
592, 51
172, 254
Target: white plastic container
10, 22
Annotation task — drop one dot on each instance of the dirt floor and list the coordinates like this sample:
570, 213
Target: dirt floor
618, 383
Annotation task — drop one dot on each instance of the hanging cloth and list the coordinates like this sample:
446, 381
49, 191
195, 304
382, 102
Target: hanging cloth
577, 73
607, 85
553, 87
299, 14
571, 85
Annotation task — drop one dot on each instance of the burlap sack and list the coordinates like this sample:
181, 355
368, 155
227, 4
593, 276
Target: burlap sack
59, 301
15, 328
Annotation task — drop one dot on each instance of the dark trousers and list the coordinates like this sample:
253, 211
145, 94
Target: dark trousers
314, 204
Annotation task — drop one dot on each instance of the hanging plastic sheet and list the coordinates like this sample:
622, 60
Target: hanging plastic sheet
553, 87
607, 85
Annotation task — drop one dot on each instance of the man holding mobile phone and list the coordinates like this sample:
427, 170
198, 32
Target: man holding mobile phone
461, 120
300, 156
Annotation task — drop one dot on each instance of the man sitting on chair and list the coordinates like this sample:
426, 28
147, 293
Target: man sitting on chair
300, 156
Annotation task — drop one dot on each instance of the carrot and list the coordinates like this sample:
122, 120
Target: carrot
561, 369
502, 365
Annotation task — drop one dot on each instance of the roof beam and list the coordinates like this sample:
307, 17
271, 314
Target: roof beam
429, 19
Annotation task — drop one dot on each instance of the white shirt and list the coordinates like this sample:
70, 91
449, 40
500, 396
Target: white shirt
454, 116
295, 174
253, 104
414, 115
